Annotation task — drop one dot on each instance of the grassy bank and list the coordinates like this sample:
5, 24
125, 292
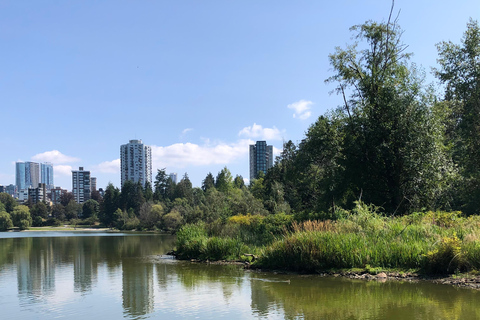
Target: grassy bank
430, 242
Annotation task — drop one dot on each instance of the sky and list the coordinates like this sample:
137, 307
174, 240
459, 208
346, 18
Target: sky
198, 81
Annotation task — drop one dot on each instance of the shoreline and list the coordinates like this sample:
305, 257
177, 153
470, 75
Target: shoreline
467, 281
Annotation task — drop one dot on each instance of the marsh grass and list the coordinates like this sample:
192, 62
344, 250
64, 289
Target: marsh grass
431, 242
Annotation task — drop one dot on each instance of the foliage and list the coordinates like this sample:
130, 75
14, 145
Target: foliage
5, 221
21, 217
8, 202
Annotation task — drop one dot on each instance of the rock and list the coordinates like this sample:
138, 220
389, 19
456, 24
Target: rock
382, 275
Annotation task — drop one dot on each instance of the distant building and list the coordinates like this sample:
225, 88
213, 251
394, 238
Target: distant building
11, 190
46, 175
136, 162
93, 183
173, 176
261, 158
81, 187
38, 194
27, 174
56, 194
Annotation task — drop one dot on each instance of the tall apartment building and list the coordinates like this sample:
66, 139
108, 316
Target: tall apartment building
261, 158
173, 176
136, 162
46, 175
27, 174
93, 184
38, 194
81, 188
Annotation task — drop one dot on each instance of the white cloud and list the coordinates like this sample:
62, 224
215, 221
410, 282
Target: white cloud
55, 157
107, 167
185, 131
62, 170
258, 132
180, 155
301, 108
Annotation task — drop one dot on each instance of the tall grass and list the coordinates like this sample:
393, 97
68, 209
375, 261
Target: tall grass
432, 242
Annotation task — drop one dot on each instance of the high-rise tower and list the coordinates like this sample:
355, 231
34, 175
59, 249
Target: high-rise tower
81, 185
47, 175
27, 174
261, 158
136, 162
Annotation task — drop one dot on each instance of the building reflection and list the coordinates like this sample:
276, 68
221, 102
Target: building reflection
138, 290
35, 268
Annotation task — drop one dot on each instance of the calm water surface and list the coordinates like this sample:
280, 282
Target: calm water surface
113, 276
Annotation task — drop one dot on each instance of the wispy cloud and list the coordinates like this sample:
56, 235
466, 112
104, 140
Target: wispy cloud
185, 131
258, 132
302, 109
107, 167
55, 157
181, 155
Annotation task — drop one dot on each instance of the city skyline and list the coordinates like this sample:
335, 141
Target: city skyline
199, 82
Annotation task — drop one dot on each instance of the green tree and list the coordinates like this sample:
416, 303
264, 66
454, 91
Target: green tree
224, 181
459, 71
160, 185
184, 189
8, 201
65, 198
58, 211
147, 192
391, 149
73, 210
110, 204
90, 209
39, 210
238, 182
5, 221
208, 182
21, 217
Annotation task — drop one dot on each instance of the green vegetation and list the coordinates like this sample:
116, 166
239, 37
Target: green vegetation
429, 242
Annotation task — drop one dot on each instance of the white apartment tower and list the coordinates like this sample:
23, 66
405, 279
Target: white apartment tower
81, 188
136, 162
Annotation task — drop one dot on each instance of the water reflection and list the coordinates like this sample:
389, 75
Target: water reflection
127, 276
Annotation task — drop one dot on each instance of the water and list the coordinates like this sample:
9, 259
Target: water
76, 275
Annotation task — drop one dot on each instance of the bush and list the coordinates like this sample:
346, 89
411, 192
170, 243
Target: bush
446, 257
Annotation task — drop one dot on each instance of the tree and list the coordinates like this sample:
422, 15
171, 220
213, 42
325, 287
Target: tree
21, 217
224, 181
460, 72
238, 182
183, 189
160, 185
147, 192
150, 215
90, 209
73, 210
66, 198
110, 204
208, 182
58, 211
391, 152
5, 221
39, 210
8, 201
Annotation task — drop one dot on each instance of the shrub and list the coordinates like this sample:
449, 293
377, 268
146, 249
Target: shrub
5, 221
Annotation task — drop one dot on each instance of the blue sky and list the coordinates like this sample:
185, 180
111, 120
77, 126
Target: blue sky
196, 80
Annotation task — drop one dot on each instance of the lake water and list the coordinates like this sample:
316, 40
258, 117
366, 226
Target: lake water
77, 275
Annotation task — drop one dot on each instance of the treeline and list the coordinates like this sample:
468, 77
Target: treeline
394, 142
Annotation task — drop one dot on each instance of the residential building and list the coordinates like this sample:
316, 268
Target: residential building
81, 187
38, 194
11, 190
261, 158
46, 175
93, 183
136, 162
173, 176
56, 194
